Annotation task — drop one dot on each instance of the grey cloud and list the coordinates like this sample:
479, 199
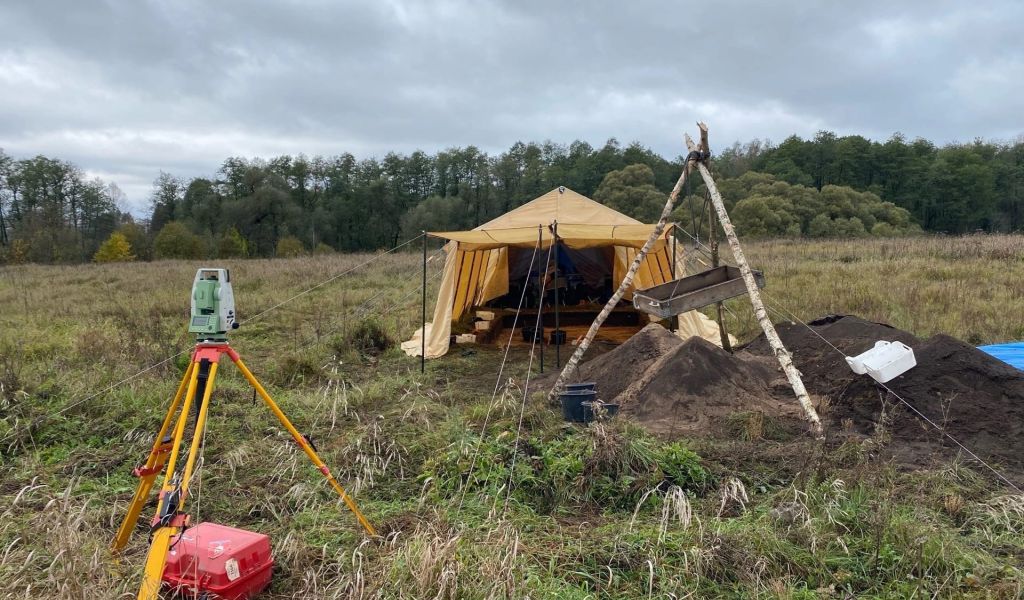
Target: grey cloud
127, 88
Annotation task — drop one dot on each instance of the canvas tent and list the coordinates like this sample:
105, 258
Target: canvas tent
480, 262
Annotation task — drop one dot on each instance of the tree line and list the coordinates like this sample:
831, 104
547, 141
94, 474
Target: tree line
51, 212
825, 186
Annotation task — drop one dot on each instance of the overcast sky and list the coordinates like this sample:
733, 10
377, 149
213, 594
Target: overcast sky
128, 88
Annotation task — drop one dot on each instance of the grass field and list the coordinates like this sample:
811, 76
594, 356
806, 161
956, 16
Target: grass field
540, 511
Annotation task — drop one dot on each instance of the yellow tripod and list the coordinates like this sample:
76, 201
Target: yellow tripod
170, 519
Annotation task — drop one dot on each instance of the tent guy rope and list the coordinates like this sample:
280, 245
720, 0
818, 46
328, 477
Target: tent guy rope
526, 392
497, 383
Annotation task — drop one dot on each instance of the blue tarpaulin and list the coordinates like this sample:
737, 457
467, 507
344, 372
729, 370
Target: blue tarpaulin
1011, 353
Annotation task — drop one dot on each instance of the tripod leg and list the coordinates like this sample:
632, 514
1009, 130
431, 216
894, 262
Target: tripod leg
197, 437
154, 465
163, 536
301, 441
167, 505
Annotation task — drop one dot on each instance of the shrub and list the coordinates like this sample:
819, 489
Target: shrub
290, 247
883, 230
613, 467
115, 249
18, 253
232, 245
54, 245
632, 190
176, 241
369, 337
764, 207
141, 243
821, 226
681, 466
322, 249
852, 227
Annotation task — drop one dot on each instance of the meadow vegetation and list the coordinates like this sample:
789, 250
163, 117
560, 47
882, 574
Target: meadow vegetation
476, 494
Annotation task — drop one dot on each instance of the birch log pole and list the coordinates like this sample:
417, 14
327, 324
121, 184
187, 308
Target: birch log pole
627, 281
785, 360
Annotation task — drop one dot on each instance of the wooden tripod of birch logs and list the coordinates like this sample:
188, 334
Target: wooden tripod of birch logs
697, 158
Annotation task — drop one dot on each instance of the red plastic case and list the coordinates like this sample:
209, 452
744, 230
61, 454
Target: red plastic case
221, 562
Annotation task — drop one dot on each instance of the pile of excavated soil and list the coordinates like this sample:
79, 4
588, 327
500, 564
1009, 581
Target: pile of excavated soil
614, 370
976, 398
675, 387
697, 385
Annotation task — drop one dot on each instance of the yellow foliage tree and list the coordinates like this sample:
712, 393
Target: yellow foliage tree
290, 247
115, 249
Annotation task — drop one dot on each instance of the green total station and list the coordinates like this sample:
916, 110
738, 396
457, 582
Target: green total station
213, 305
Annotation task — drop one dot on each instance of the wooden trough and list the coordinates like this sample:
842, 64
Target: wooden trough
696, 291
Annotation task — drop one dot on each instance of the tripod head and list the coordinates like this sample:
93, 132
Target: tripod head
213, 305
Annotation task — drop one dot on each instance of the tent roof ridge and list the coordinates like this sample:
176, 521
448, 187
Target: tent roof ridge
558, 204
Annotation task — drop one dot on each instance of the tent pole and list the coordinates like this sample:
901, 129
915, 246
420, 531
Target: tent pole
673, 265
720, 315
423, 311
558, 345
540, 301
674, 323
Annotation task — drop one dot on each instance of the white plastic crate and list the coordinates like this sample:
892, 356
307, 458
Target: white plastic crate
883, 362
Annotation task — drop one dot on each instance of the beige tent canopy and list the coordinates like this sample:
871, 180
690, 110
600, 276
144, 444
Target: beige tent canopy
477, 266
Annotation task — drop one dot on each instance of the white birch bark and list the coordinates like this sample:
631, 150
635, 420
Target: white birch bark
785, 360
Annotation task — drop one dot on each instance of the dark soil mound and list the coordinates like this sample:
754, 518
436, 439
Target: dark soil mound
977, 399
613, 371
824, 370
697, 385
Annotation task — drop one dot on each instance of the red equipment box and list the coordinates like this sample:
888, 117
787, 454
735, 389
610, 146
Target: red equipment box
216, 561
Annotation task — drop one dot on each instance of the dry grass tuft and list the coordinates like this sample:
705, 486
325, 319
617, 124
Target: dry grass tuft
732, 497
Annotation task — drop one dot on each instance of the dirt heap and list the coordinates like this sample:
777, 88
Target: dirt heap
976, 398
824, 370
613, 370
673, 387
697, 385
